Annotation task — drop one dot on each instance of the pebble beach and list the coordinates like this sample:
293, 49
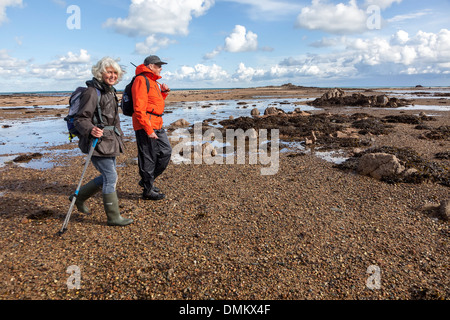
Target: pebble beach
313, 230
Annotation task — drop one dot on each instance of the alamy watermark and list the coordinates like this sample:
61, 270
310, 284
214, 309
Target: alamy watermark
73, 22
374, 281
237, 147
373, 22
74, 280
374, 19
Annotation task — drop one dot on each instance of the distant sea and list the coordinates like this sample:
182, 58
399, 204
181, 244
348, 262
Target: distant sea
67, 93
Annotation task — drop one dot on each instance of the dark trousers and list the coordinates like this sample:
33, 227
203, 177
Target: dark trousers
153, 156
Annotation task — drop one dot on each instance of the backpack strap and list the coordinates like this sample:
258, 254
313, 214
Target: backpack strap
146, 81
99, 111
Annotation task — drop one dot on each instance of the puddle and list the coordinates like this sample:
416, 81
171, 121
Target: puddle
36, 107
38, 164
336, 157
31, 135
47, 161
425, 107
221, 110
420, 93
413, 108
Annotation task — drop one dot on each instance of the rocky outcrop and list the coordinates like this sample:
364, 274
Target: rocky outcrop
444, 210
337, 97
441, 212
300, 112
180, 123
255, 112
273, 111
379, 165
396, 165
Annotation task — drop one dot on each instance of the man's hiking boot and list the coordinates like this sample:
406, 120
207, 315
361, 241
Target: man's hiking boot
86, 191
111, 204
152, 195
141, 183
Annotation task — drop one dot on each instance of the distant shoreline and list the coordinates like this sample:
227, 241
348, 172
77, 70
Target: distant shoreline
64, 93
418, 95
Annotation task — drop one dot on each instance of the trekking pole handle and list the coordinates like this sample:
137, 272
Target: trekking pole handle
94, 143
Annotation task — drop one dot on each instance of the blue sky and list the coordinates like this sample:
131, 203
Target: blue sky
46, 45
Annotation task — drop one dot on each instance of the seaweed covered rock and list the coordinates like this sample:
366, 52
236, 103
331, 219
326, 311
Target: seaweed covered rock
371, 126
27, 157
416, 169
441, 133
337, 97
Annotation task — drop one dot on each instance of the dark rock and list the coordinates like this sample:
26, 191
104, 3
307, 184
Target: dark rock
337, 97
272, 111
443, 155
441, 133
27, 157
417, 169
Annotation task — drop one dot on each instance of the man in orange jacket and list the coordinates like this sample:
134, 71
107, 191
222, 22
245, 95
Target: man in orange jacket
154, 149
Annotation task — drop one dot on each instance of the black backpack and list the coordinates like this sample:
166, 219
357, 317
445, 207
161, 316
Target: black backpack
74, 108
127, 99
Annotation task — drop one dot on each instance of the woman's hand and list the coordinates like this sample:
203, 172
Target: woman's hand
96, 132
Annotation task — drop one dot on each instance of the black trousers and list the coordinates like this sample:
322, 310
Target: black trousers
153, 156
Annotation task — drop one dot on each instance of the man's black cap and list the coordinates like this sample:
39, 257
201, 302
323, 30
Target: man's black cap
153, 60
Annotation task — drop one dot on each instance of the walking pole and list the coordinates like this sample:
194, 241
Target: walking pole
66, 220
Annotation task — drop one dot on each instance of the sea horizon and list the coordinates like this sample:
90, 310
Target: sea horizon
68, 92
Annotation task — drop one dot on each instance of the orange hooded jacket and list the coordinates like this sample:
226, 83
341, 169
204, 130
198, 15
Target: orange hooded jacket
145, 103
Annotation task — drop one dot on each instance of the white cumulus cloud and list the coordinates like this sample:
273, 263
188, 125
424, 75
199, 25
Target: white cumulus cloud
147, 17
244, 73
199, 72
67, 67
422, 50
7, 3
10, 66
240, 40
341, 18
402, 53
152, 44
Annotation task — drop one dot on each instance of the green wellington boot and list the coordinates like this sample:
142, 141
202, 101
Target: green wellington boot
86, 191
111, 204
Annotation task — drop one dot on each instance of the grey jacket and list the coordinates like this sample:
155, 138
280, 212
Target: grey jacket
111, 144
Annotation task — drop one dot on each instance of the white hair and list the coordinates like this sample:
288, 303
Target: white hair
104, 63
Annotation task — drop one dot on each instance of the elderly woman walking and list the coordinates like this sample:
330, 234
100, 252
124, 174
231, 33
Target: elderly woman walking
104, 125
